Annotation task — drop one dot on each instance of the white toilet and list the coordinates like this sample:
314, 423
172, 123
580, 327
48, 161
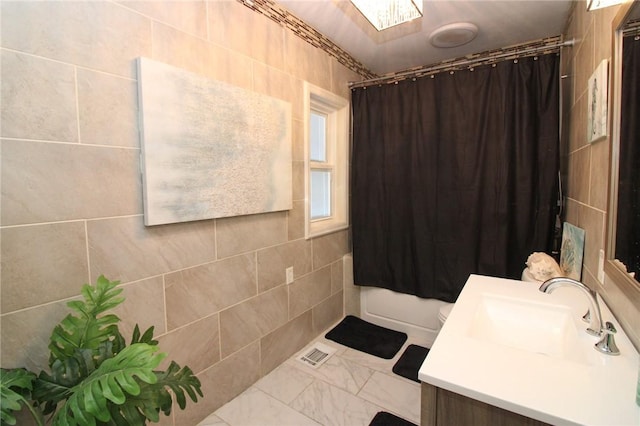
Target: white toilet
444, 312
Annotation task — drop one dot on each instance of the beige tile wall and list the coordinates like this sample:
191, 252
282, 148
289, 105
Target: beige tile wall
72, 195
214, 290
586, 165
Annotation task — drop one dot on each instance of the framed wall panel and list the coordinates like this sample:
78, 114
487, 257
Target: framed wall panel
210, 149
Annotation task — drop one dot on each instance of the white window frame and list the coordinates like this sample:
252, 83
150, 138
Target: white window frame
336, 109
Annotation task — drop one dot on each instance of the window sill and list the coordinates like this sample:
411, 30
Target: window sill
324, 230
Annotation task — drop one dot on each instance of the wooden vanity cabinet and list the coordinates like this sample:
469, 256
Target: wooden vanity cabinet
441, 407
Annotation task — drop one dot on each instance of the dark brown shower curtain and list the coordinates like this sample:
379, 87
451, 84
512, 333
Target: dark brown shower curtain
453, 175
628, 223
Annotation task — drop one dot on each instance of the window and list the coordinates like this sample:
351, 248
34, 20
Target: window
326, 161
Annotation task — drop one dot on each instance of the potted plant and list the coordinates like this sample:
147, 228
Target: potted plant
94, 377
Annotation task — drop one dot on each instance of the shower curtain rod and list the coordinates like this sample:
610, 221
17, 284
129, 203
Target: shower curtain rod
632, 28
464, 62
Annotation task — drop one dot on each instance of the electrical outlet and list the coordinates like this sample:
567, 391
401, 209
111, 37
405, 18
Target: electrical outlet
601, 266
289, 273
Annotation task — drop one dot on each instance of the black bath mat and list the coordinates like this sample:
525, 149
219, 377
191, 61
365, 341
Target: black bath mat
387, 419
410, 362
366, 337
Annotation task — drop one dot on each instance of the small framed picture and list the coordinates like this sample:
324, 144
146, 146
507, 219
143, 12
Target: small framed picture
597, 108
572, 251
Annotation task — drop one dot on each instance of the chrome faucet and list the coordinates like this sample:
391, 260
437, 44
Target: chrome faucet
606, 345
595, 318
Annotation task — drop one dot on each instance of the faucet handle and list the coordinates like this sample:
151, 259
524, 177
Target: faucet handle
607, 344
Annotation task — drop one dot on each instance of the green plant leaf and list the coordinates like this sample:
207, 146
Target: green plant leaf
147, 337
109, 383
94, 378
128, 414
50, 389
15, 390
155, 397
87, 330
180, 381
13, 383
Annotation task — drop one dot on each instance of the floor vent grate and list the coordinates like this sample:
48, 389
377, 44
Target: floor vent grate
316, 355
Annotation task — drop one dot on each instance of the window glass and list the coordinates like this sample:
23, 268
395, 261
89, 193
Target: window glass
320, 194
318, 137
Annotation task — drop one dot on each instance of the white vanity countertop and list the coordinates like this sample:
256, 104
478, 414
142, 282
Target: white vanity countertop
569, 383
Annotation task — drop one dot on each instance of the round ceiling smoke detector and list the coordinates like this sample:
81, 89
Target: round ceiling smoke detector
453, 35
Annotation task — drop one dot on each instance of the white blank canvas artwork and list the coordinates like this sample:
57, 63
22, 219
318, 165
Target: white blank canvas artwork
597, 96
210, 149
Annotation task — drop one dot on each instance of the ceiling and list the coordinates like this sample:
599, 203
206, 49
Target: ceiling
500, 24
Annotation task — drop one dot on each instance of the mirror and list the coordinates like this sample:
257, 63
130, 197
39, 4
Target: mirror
623, 241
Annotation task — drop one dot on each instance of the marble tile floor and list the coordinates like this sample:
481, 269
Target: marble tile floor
347, 390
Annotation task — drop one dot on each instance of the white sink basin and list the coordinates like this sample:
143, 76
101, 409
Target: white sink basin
540, 328
507, 344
